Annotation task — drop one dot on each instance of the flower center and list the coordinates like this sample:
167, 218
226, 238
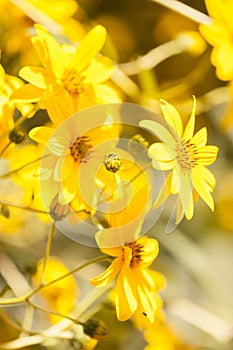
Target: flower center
187, 155
80, 147
136, 253
73, 82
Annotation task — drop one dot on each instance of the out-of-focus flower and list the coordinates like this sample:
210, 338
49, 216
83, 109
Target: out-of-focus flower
135, 281
219, 34
224, 201
61, 296
185, 155
19, 46
160, 337
71, 79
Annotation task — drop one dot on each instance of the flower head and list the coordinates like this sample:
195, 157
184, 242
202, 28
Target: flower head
135, 281
185, 155
70, 79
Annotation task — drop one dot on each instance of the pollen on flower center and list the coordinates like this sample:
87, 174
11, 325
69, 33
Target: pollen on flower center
187, 155
136, 253
72, 81
80, 147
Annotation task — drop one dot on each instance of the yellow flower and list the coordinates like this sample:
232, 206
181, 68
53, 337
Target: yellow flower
70, 79
135, 281
185, 155
73, 155
161, 337
62, 295
219, 34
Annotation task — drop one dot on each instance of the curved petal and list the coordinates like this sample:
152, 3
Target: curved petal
204, 183
164, 192
207, 155
160, 131
185, 191
172, 117
175, 181
69, 188
108, 275
27, 93
63, 168
161, 152
89, 47
126, 298
189, 129
105, 94
200, 138
41, 134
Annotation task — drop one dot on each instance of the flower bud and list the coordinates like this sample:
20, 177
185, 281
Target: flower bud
112, 162
4, 211
95, 329
17, 135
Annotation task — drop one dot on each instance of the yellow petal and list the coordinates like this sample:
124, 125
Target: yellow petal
222, 60
185, 191
160, 131
175, 181
108, 275
63, 168
99, 70
200, 138
162, 156
88, 48
27, 93
105, 94
189, 129
204, 183
164, 192
41, 134
69, 189
190, 210
36, 76
126, 301
207, 155
172, 117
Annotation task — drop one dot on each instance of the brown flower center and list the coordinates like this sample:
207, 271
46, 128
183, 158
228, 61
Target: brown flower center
137, 250
187, 155
80, 148
73, 82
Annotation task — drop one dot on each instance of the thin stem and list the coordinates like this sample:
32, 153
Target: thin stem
24, 298
52, 312
47, 253
23, 208
21, 167
185, 10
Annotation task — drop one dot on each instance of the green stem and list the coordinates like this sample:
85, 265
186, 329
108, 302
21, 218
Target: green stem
47, 253
26, 297
23, 208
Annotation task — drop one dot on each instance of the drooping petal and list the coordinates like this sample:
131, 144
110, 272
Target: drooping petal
207, 155
164, 192
126, 298
190, 210
160, 131
175, 182
185, 191
108, 275
172, 117
189, 129
200, 138
150, 250
88, 48
204, 183
41, 134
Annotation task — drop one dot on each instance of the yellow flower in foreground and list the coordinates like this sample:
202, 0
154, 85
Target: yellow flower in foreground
71, 79
135, 281
185, 155
73, 155
62, 295
219, 34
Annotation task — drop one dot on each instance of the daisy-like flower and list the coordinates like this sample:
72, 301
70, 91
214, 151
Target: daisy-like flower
185, 155
73, 155
135, 281
71, 79
219, 34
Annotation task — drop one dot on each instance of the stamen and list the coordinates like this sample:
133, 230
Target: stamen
73, 82
187, 155
137, 250
80, 148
